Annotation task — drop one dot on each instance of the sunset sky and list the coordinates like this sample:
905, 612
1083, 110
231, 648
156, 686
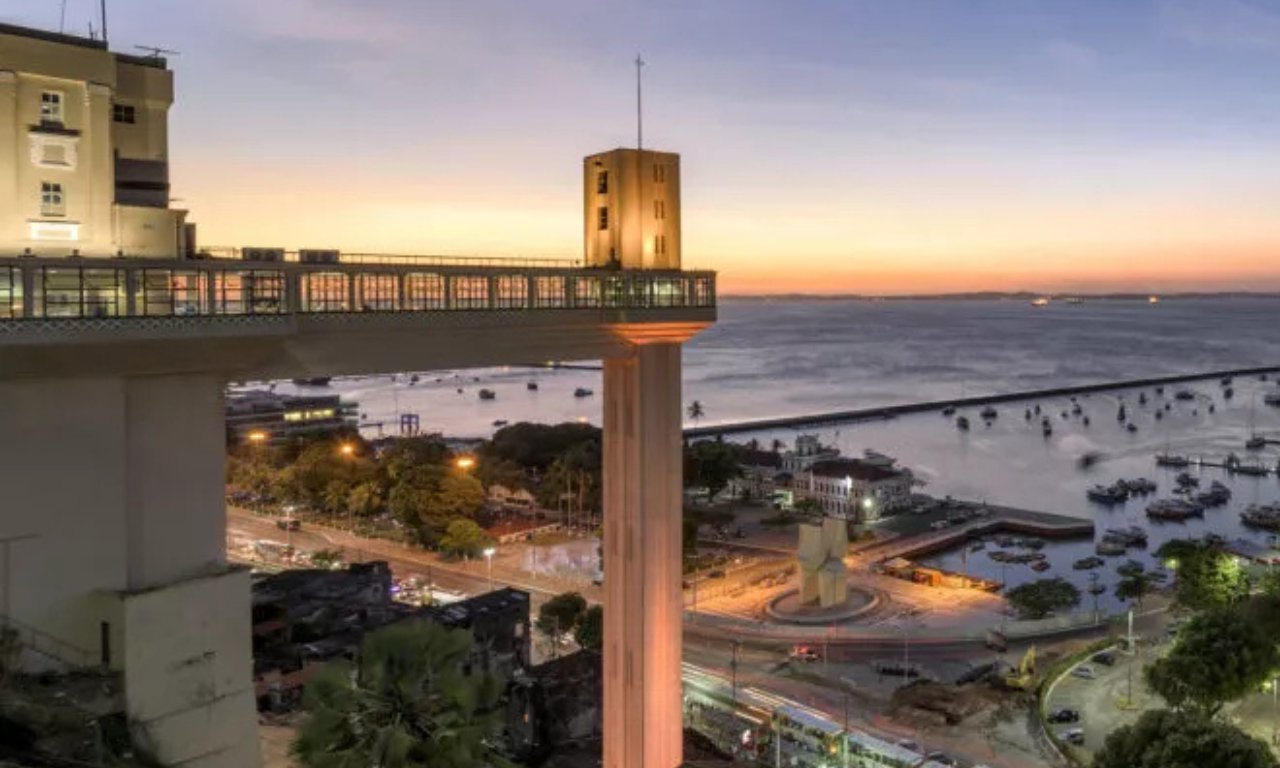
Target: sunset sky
871, 146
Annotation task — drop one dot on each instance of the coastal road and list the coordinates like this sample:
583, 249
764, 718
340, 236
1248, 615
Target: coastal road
468, 578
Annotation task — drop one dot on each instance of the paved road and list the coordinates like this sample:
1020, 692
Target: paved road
469, 578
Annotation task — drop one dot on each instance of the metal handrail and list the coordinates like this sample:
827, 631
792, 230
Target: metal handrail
62, 651
399, 259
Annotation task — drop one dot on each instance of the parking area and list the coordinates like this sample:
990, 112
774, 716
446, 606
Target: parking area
1106, 696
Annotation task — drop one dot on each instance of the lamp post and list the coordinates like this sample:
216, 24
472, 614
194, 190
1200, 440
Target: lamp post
1275, 711
488, 555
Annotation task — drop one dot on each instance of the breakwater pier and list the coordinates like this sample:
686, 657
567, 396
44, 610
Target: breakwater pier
891, 411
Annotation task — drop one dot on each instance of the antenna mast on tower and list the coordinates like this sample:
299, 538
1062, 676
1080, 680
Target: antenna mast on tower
639, 104
103, 6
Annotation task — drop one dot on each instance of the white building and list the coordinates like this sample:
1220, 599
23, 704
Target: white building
84, 149
855, 489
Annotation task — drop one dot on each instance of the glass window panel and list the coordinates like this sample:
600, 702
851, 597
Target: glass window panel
377, 292
549, 291
512, 292
423, 291
470, 292
324, 292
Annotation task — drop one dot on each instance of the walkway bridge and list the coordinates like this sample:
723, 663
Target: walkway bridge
112, 375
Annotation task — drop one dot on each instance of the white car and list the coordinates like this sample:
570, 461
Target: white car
1084, 672
1072, 736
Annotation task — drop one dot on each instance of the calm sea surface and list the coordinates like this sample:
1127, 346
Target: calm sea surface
792, 357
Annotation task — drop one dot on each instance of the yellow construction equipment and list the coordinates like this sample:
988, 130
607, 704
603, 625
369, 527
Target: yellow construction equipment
1023, 678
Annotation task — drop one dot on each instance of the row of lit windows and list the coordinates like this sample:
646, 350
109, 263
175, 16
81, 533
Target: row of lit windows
95, 292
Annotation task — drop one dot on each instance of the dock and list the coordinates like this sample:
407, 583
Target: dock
1045, 525
891, 411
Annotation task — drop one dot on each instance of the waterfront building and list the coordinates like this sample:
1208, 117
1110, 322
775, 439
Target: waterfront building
855, 489
84, 149
277, 417
808, 451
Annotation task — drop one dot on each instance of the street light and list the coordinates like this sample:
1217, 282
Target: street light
464, 462
257, 436
488, 555
347, 449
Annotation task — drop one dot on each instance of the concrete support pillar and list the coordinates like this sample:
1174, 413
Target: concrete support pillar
114, 498
642, 509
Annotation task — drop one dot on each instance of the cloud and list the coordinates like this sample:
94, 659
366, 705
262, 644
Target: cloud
1071, 56
1239, 24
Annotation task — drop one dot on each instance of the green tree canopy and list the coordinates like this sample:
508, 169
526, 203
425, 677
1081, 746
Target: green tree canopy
560, 615
590, 630
1135, 586
710, 464
1220, 656
460, 495
1165, 739
412, 701
536, 446
464, 538
1037, 599
1207, 577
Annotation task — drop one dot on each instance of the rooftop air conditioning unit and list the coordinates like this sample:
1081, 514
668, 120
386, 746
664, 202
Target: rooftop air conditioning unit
262, 254
312, 256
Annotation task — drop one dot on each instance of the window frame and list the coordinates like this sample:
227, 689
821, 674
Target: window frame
53, 107
53, 199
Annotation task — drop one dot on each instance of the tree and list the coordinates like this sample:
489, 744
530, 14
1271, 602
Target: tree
1207, 577
1220, 656
710, 464
560, 615
777, 445
413, 700
590, 630
326, 558
463, 538
696, 411
365, 499
1165, 739
460, 495
1037, 599
1135, 586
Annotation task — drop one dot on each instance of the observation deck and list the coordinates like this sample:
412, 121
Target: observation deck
299, 313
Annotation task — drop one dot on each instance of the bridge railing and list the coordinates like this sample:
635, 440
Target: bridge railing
76, 287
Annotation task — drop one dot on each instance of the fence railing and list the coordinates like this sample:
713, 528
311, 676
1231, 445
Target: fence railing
48, 646
77, 287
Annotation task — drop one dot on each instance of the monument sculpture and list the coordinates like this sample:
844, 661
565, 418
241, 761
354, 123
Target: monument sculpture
823, 576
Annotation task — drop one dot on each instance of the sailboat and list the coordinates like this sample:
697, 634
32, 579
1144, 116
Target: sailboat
1256, 442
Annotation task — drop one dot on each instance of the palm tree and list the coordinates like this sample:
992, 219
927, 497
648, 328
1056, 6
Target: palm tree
777, 445
412, 700
696, 411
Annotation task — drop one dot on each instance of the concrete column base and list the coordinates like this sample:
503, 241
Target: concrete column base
188, 672
642, 510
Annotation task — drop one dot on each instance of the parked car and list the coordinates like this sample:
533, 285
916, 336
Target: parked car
941, 758
1064, 715
289, 525
1072, 736
1084, 672
1106, 658
804, 653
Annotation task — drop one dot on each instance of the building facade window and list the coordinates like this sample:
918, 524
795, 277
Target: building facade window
602, 182
660, 244
659, 173
51, 108
52, 201
123, 113
659, 209
602, 218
